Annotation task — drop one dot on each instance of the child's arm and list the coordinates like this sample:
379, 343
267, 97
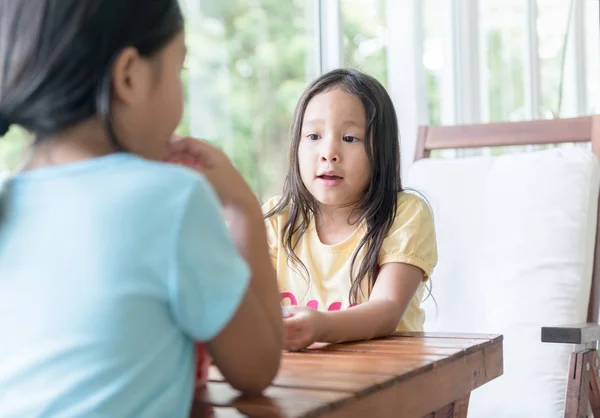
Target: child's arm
394, 289
248, 349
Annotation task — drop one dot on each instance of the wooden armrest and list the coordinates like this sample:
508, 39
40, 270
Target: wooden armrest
572, 334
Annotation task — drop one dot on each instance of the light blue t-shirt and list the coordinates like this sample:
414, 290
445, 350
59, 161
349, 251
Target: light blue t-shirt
110, 268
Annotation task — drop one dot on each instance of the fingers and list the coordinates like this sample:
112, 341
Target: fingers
190, 145
293, 343
191, 152
293, 346
295, 335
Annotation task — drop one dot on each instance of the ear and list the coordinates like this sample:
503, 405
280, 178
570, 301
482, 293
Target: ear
129, 77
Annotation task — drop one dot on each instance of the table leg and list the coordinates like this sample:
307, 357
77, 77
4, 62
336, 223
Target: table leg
457, 409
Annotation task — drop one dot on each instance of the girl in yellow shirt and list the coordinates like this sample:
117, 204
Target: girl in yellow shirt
345, 233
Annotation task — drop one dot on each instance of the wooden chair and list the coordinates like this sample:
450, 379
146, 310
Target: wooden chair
584, 375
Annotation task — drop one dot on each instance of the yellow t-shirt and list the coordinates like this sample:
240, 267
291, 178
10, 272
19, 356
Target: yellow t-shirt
411, 240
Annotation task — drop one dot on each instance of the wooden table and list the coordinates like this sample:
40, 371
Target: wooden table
406, 375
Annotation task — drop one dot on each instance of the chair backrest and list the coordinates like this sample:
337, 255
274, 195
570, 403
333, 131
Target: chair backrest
517, 240
535, 132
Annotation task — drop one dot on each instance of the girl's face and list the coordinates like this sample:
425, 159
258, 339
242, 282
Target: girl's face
148, 99
334, 166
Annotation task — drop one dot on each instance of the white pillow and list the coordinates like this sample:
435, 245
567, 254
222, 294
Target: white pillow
515, 240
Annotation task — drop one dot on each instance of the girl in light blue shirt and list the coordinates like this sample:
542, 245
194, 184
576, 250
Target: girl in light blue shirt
112, 263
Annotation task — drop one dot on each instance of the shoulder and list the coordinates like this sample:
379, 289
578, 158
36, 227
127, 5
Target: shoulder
165, 173
270, 204
411, 239
278, 218
166, 179
274, 224
154, 189
413, 210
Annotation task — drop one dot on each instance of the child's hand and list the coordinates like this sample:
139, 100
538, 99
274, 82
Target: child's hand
186, 159
301, 328
227, 182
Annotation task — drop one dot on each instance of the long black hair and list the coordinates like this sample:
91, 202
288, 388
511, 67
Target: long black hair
56, 57
378, 206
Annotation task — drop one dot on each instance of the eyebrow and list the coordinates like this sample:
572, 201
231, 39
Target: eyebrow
346, 123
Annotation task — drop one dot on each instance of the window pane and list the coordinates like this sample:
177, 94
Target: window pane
553, 23
365, 37
434, 59
247, 67
503, 39
592, 56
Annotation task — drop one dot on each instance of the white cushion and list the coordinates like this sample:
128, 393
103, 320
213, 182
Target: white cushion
515, 239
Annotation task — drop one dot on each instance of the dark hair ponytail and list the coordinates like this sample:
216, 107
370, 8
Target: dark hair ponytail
56, 57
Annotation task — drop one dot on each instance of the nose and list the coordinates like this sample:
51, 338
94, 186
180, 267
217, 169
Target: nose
330, 151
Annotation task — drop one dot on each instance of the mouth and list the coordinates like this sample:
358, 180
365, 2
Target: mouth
329, 177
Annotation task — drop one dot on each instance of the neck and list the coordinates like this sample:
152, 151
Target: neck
84, 141
335, 224
336, 216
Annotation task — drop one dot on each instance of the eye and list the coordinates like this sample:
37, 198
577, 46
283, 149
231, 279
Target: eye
349, 138
312, 137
